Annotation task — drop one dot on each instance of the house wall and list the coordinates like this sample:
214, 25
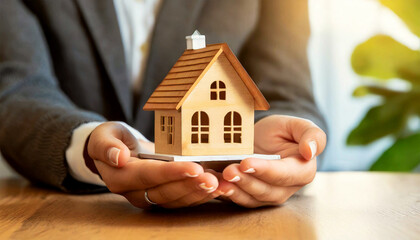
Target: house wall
238, 99
161, 143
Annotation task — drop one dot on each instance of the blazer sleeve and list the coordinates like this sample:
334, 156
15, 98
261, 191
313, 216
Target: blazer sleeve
36, 117
275, 56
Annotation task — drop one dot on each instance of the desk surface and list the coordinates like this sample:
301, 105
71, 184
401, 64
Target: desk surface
334, 206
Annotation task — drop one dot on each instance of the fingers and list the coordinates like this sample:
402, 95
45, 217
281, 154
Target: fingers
145, 174
249, 191
291, 171
113, 144
136, 198
239, 196
192, 191
253, 186
192, 199
312, 140
186, 191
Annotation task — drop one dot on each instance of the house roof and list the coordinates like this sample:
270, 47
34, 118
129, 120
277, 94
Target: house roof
189, 70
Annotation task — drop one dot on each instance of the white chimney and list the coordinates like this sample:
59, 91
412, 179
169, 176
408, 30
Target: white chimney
196, 40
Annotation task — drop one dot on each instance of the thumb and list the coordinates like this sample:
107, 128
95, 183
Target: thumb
113, 144
311, 139
312, 143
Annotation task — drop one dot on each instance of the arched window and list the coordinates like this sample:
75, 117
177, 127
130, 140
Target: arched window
218, 91
200, 127
233, 128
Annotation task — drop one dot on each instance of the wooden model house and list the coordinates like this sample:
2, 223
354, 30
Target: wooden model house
205, 105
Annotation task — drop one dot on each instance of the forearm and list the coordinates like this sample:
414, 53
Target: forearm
35, 129
36, 117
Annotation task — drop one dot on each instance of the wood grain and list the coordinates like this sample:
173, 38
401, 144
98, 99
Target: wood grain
334, 206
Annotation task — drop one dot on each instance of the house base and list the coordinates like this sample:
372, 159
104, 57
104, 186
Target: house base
210, 158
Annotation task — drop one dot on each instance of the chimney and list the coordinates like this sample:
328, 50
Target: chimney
196, 40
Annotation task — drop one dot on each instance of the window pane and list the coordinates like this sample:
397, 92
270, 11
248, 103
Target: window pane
237, 121
194, 138
204, 129
213, 85
222, 95
170, 140
204, 119
194, 129
194, 119
222, 85
227, 137
204, 138
237, 138
228, 119
213, 95
237, 129
227, 129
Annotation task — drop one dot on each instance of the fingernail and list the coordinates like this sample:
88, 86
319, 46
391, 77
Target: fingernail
229, 193
249, 170
220, 192
208, 189
113, 154
312, 145
190, 175
235, 179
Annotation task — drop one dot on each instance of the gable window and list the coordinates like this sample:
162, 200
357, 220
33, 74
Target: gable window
200, 127
218, 91
233, 128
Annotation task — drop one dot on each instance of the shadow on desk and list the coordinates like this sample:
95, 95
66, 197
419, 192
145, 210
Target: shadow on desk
35, 210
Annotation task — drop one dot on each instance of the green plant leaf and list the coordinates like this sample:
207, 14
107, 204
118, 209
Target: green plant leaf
362, 91
380, 121
384, 58
408, 11
403, 156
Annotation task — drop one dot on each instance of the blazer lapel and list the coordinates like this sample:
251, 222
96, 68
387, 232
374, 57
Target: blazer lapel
102, 23
176, 20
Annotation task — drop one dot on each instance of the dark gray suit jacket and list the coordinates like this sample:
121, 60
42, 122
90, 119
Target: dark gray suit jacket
62, 65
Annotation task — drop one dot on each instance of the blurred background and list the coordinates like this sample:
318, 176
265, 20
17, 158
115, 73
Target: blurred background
338, 27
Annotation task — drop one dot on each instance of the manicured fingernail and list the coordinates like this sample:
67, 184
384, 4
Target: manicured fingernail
113, 155
313, 147
235, 179
249, 170
190, 175
229, 193
208, 189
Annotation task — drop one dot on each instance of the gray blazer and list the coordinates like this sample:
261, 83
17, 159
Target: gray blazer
62, 65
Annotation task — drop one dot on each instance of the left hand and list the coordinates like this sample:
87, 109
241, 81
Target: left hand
257, 182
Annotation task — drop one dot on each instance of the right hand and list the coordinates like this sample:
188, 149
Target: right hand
169, 184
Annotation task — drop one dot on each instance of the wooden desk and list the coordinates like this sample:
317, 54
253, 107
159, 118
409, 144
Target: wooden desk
334, 206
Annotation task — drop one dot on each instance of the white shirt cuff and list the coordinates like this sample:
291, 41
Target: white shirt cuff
74, 153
